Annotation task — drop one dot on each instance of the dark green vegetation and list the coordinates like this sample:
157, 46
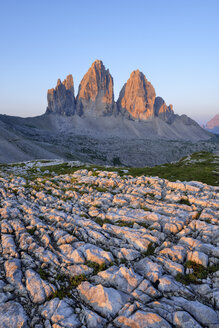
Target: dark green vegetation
96, 266
184, 202
201, 166
198, 273
64, 291
31, 230
150, 250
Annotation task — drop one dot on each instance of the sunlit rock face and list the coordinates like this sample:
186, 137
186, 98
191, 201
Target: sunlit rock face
137, 97
138, 101
95, 94
61, 99
213, 123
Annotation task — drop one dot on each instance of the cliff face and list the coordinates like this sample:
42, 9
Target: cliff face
138, 100
137, 97
95, 95
61, 99
165, 112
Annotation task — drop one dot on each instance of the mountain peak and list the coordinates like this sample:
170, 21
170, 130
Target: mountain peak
61, 99
97, 63
137, 96
137, 99
95, 95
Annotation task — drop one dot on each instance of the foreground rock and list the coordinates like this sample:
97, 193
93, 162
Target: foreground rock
94, 249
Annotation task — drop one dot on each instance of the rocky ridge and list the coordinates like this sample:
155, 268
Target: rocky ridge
96, 249
61, 100
137, 99
213, 124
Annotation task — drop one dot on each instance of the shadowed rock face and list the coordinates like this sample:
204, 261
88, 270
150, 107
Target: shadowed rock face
95, 95
61, 100
163, 111
137, 97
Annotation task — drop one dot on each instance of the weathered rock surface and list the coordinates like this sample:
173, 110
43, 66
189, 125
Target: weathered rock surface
61, 100
12, 315
163, 111
137, 97
106, 301
95, 95
93, 249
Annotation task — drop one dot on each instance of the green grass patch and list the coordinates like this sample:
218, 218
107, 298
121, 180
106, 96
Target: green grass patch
96, 266
199, 273
77, 280
143, 224
43, 274
31, 231
101, 189
200, 167
124, 224
150, 250
187, 279
101, 222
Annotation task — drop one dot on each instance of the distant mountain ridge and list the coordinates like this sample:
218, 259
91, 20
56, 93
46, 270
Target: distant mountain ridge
213, 124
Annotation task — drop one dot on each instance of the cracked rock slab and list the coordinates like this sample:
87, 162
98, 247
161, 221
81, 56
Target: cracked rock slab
106, 301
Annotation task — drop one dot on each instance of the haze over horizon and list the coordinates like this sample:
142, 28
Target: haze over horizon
175, 44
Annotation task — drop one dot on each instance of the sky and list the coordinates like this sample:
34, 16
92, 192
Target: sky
174, 43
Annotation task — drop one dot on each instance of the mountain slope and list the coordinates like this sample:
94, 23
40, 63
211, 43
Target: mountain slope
137, 130
213, 124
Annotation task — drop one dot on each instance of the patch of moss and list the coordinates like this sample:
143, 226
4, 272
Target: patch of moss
43, 274
101, 222
143, 224
213, 268
96, 266
101, 189
199, 273
60, 293
146, 209
77, 280
150, 250
31, 231
124, 224
199, 270
187, 279
184, 201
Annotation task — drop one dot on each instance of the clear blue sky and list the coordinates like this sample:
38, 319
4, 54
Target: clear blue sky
175, 43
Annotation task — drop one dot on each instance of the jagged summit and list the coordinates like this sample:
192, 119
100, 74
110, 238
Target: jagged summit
95, 95
61, 99
137, 99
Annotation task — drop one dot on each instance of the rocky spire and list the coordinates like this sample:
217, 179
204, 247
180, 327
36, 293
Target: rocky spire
61, 100
95, 95
137, 97
137, 100
165, 112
